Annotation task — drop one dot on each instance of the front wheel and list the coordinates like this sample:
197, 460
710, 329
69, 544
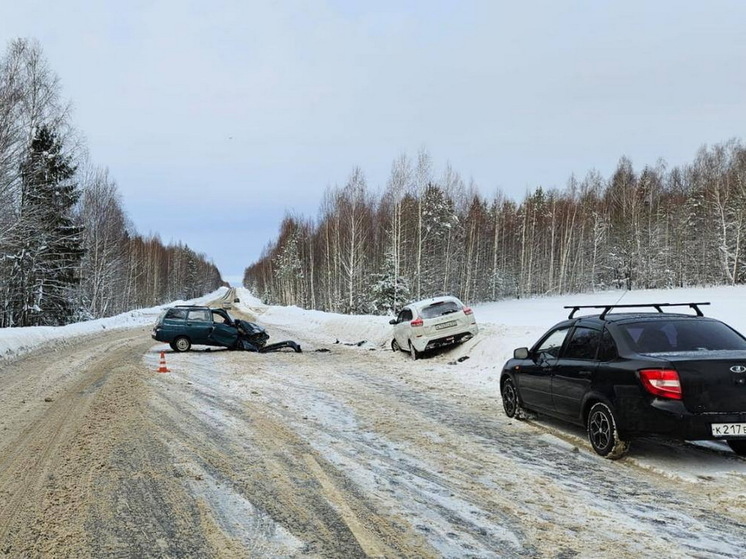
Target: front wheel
603, 434
738, 446
181, 344
510, 397
395, 346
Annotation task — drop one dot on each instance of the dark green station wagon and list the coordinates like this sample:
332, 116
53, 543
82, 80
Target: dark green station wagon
183, 326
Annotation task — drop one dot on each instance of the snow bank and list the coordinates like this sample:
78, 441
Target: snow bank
327, 328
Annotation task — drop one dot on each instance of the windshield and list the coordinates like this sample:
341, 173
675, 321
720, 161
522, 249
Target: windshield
681, 335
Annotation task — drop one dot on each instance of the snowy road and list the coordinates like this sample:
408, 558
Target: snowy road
350, 452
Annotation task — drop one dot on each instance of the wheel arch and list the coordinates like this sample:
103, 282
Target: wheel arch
591, 399
504, 376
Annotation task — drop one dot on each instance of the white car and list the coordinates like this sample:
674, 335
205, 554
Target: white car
432, 323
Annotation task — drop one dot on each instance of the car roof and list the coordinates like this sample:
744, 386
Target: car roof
654, 317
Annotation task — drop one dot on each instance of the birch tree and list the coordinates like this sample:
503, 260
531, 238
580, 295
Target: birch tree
399, 182
355, 229
106, 234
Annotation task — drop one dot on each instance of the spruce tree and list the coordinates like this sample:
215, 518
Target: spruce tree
48, 262
388, 292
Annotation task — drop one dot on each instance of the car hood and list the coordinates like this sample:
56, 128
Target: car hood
250, 327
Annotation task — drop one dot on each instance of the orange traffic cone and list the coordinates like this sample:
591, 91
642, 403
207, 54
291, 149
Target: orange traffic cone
163, 368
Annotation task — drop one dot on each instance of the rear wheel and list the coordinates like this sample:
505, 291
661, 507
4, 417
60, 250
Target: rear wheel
738, 446
413, 353
181, 344
603, 434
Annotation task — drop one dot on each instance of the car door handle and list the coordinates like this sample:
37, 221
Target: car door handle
585, 374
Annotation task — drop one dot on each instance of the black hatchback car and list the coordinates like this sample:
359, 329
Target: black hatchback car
628, 374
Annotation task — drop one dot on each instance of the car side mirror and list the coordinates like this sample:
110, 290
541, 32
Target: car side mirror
520, 353
393, 321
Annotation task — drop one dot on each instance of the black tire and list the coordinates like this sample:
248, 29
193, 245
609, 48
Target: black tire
413, 353
395, 346
509, 393
603, 434
181, 344
738, 446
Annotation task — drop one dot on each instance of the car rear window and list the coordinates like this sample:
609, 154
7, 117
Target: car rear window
439, 309
682, 335
176, 313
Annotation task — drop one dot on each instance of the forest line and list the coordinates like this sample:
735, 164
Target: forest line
424, 236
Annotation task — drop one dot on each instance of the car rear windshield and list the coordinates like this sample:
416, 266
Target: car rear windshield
439, 309
681, 335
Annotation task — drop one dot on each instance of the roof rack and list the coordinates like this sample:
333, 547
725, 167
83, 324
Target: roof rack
656, 306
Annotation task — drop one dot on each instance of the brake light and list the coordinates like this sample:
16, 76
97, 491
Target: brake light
663, 383
417, 322
467, 310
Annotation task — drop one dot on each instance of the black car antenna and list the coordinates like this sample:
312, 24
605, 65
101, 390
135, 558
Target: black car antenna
656, 306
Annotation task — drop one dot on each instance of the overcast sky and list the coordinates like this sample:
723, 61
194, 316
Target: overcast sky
216, 118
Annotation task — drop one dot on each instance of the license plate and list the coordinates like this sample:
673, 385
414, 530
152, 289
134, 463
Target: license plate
445, 325
728, 429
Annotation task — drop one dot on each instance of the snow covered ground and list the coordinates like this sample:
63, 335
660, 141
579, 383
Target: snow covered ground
412, 436
504, 326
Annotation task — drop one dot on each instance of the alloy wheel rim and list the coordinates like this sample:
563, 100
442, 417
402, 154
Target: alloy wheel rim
600, 430
509, 398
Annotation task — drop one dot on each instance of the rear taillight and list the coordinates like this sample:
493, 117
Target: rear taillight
663, 383
416, 322
467, 310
